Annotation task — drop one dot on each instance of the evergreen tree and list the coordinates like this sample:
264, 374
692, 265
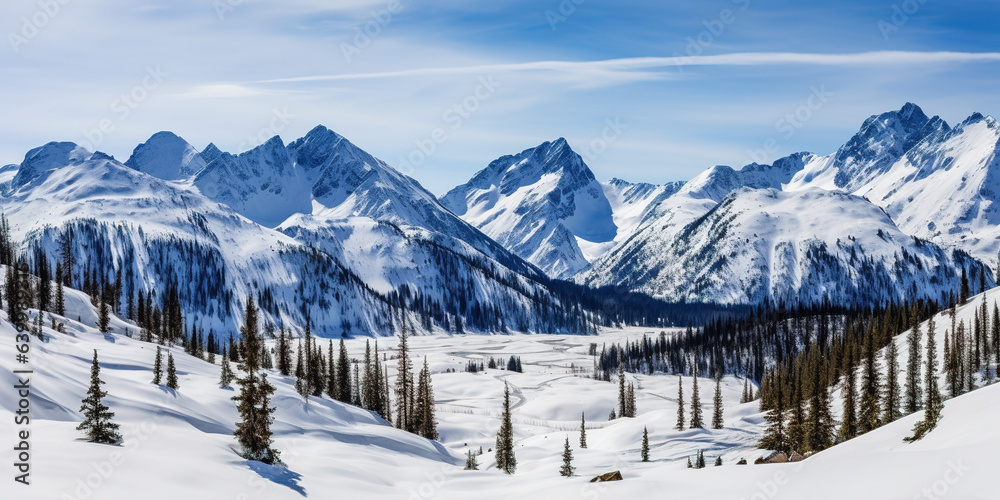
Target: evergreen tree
253, 431
103, 315
718, 461
331, 372
869, 418
622, 397
301, 382
912, 399
932, 398
404, 384
426, 425
471, 462
98, 423
696, 420
171, 372
963, 295
583, 431
745, 397
284, 354
227, 372
645, 444
699, 462
819, 423
315, 372
60, 296
680, 404
776, 435
717, 415
891, 410
567, 466
344, 374
158, 367
849, 392
505, 437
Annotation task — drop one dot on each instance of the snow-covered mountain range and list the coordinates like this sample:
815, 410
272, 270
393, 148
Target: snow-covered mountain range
904, 205
316, 229
545, 205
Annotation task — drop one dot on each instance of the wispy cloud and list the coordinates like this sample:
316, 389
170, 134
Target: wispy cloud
639, 68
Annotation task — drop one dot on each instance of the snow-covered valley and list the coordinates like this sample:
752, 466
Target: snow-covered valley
179, 442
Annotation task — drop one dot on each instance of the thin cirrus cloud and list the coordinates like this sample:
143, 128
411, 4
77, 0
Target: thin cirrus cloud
612, 67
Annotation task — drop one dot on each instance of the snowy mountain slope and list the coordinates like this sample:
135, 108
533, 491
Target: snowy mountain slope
261, 184
760, 244
539, 204
166, 156
184, 436
632, 204
933, 181
180, 442
154, 231
946, 188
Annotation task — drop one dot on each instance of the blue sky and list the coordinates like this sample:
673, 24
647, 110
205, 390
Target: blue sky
645, 91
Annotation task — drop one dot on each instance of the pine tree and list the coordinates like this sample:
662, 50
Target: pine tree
471, 461
718, 461
60, 296
849, 393
745, 397
717, 415
696, 420
253, 403
891, 410
171, 372
819, 423
331, 372
426, 426
227, 372
404, 384
775, 436
932, 398
344, 374
284, 354
622, 397
869, 418
645, 444
680, 404
699, 462
158, 367
583, 431
505, 437
301, 382
103, 315
912, 400
98, 423
567, 466
964, 290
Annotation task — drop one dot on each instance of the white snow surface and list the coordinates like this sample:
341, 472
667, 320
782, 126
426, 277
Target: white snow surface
179, 443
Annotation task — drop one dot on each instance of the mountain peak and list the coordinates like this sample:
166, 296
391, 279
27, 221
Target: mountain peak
167, 156
47, 157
